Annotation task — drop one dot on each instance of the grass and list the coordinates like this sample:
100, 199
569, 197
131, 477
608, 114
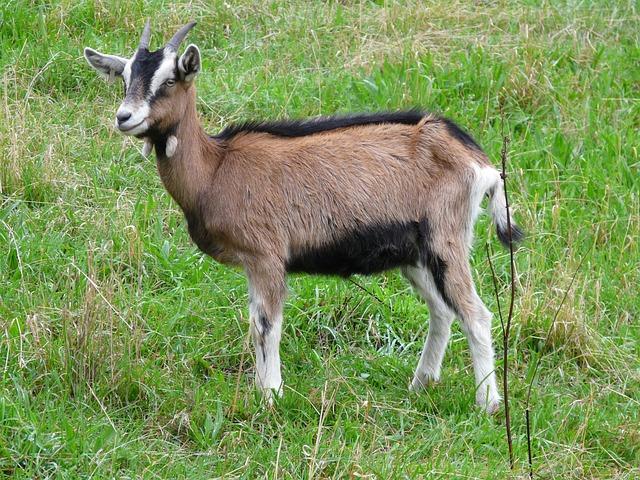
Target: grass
124, 351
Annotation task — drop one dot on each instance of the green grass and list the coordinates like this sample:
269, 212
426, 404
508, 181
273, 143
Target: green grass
124, 351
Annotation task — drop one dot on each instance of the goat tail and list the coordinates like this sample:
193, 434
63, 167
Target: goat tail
498, 209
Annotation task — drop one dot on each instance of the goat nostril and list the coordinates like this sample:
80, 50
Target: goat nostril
123, 117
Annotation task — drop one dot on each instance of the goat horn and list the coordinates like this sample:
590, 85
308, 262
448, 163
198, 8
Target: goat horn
146, 36
177, 39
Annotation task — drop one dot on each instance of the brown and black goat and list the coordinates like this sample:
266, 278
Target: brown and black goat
343, 195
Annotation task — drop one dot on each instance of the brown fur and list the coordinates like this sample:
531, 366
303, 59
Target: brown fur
266, 196
259, 201
256, 200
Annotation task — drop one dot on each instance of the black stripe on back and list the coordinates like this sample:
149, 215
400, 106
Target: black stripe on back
459, 134
301, 128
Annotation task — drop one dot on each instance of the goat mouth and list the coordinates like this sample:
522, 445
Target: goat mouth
128, 129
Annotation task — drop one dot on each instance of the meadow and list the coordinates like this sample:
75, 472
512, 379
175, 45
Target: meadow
125, 352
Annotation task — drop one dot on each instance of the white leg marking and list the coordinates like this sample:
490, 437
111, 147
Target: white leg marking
266, 333
478, 332
441, 317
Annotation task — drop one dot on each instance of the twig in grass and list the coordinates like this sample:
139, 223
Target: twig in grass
368, 292
326, 405
277, 468
104, 410
494, 278
506, 327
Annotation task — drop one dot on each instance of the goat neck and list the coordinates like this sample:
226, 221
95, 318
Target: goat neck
188, 161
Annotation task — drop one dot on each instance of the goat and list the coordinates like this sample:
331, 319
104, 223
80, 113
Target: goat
335, 195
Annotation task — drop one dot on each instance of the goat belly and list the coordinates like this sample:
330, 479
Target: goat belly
201, 237
363, 250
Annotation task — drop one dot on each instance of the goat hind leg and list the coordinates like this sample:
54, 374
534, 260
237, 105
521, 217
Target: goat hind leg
476, 324
440, 319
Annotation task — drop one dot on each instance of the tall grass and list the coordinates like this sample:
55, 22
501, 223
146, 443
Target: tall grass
124, 350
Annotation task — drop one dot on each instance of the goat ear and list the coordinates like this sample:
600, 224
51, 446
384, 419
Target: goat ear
189, 63
108, 66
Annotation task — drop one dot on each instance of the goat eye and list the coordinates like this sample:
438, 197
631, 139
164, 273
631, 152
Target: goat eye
170, 83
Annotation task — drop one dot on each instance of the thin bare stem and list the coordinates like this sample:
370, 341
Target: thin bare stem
526, 416
507, 326
494, 278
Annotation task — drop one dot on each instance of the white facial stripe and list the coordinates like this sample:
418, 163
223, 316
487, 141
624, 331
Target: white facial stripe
164, 72
126, 73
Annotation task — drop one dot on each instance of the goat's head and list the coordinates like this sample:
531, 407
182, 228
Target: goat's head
155, 83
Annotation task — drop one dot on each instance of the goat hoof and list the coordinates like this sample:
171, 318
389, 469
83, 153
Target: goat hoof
270, 394
421, 382
490, 406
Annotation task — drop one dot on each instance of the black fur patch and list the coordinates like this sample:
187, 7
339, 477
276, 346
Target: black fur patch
517, 235
301, 128
143, 69
459, 134
370, 249
375, 248
436, 265
266, 328
265, 324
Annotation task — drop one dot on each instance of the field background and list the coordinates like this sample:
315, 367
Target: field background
124, 352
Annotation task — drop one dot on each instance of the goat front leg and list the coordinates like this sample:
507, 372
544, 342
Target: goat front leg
266, 298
